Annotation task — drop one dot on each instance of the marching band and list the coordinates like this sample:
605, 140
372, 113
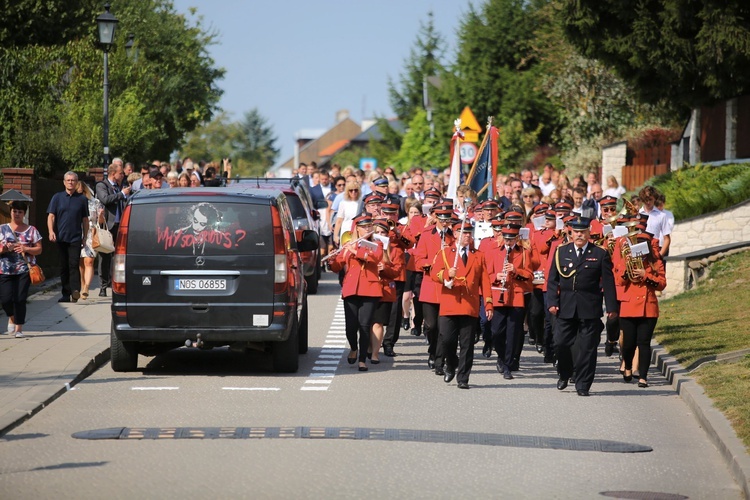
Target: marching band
473, 272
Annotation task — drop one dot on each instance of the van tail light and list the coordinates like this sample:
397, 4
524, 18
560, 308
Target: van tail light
280, 263
121, 249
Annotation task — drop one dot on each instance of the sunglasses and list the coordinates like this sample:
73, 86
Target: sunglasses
340, 185
354, 190
528, 196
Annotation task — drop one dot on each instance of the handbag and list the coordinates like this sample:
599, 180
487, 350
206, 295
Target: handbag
102, 240
35, 272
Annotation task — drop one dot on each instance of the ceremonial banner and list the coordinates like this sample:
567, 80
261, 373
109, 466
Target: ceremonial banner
481, 178
455, 178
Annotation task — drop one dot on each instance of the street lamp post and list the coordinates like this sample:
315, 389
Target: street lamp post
107, 23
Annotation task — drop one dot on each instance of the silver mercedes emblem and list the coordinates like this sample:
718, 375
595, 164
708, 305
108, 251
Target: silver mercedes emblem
199, 261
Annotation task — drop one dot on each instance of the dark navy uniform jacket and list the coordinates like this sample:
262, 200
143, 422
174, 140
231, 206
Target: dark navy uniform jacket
576, 287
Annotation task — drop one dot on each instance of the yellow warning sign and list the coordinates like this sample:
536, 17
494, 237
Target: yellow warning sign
470, 126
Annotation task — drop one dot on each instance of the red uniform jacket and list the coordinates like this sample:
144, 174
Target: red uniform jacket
413, 230
395, 271
555, 242
516, 283
470, 282
638, 300
541, 241
427, 249
361, 276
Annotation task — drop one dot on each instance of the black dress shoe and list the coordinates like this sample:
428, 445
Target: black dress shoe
362, 368
642, 384
405, 323
582, 392
64, 299
416, 331
499, 367
431, 362
609, 348
102, 292
388, 351
507, 375
439, 370
549, 358
562, 384
463, 385
487, 351
449, 375
532, 341
539, 348
353, 360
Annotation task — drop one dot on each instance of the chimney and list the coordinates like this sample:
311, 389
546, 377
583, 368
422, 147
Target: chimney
342, 115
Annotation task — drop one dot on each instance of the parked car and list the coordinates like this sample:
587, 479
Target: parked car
208, 267
306, 216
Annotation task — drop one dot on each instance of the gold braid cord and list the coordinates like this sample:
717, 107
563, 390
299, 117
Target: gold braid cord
557, 264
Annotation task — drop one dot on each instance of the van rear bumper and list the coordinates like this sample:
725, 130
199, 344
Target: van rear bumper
271, 333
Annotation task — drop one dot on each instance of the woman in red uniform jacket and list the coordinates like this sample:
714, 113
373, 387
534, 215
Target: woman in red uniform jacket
390, 269
361, 288
639, 309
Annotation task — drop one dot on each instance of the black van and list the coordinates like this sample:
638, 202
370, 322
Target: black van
208, 267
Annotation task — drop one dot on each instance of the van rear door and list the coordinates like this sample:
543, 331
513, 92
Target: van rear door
200, 263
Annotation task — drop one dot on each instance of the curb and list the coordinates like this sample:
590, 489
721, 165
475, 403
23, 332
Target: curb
717, 427
97, 356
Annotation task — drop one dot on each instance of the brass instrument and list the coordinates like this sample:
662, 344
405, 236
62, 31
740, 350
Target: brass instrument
631, 263
346, 238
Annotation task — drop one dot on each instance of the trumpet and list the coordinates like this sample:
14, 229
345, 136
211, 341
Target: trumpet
346, 238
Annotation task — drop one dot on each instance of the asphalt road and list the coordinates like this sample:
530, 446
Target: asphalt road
194, 424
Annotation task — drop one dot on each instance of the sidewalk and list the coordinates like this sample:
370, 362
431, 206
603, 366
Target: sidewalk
63, 344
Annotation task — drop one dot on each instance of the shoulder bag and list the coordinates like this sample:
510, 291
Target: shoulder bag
101, 240
35, 271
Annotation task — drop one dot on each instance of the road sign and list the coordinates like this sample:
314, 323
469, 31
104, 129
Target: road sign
468, 151
368, 164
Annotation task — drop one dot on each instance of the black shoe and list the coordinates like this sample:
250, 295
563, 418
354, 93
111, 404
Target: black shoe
499, 367
405, 323
642, 384
416, 331
514, 367
439, 370
102, 292
549, 358
353, 360
64, 299
487, 351
362, 368
507, 375
375, 361
463, 385
539, 348
449, 375
532, 341
562, 384
388, 351
582, 392
431, 362
609, 348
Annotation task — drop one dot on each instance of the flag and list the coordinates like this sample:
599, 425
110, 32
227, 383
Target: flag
455, 178
482, 175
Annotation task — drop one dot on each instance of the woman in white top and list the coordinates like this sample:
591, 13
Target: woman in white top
348, 210
613, 188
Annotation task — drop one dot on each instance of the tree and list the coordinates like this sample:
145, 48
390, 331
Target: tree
688, 52
255, 142
424, 60
418, 149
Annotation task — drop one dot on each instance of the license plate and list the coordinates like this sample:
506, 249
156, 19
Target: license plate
200, 284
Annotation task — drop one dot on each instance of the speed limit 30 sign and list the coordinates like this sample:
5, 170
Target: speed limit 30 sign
468, 152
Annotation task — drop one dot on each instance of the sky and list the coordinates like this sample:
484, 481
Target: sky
299, 62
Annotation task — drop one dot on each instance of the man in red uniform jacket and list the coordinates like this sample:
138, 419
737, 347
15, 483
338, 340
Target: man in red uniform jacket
463, 279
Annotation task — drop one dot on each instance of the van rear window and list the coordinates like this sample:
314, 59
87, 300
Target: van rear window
200, 228
297, 208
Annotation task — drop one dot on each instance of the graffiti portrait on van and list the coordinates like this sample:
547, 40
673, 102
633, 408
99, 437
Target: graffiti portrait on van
201, 226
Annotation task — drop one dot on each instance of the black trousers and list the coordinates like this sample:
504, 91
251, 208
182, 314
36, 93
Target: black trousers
358, 315
418, 309
431, 329
536, 316
637, 332
455, 332
506, 323
576, 341
394, 322
14, 289
105, 261
613, 327
70, 275
485, 326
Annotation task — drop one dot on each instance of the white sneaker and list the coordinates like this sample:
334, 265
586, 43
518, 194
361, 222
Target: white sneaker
11, 326
19, 335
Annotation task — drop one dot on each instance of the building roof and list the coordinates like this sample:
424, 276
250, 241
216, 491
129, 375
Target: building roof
345, 129
373, 132
333, 148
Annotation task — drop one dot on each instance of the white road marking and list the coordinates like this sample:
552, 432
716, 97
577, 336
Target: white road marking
334, 345
317, 381
154, 388
251, 388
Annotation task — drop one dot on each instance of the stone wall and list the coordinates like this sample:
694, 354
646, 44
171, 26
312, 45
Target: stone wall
614, 157
699, 235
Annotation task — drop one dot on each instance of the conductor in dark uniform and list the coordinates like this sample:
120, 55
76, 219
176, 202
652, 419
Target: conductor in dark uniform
580, 271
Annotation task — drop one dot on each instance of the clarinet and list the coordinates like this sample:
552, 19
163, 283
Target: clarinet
503, 281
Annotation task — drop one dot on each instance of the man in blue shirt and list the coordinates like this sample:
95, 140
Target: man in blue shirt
67, 223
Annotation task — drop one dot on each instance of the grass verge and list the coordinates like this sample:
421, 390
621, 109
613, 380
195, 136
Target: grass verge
712, 319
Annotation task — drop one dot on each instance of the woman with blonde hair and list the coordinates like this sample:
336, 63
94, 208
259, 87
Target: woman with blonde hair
88, 253
348, 210
613, 188
528, 196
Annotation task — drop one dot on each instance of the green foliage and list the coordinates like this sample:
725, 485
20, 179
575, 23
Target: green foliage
701, 189
418, 149
514, 144
688, 52
51, 83
250, 143
424, 60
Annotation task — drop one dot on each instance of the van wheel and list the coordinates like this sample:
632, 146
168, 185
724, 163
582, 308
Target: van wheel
303, 329
286, 354
312, 284
123, 355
